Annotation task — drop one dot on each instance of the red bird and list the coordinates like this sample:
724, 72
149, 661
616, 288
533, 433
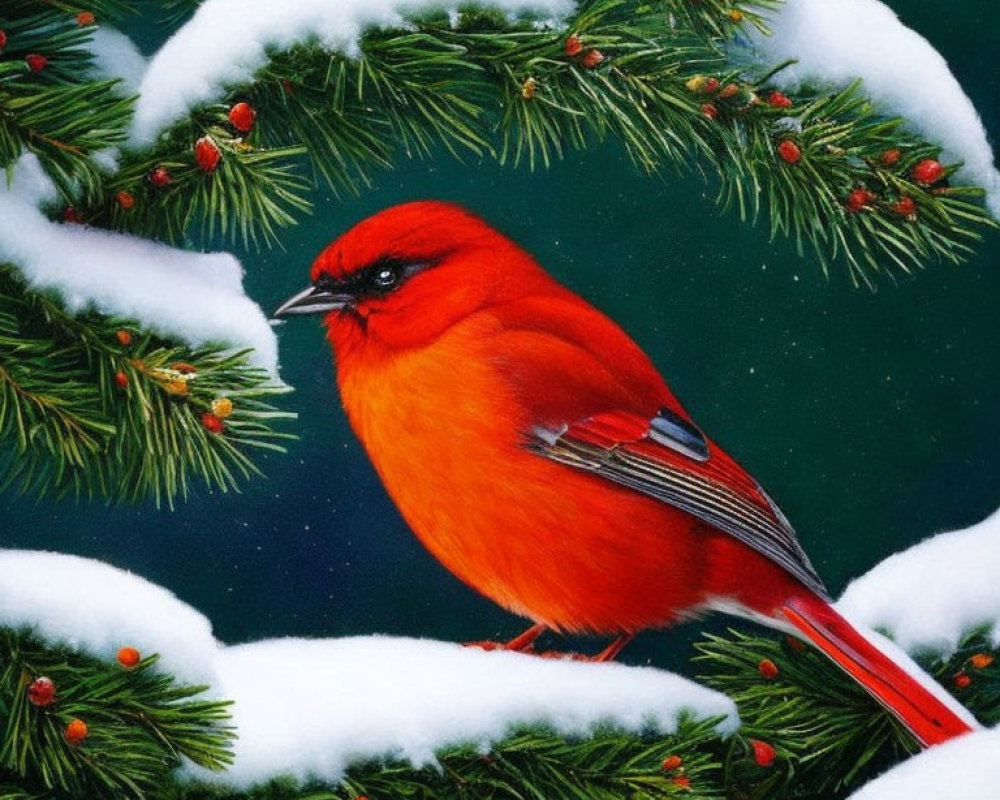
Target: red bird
538, 454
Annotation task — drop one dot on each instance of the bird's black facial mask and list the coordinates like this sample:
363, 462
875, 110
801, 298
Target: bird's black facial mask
333, 294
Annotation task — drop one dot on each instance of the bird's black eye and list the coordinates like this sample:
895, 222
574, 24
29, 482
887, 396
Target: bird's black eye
385, 277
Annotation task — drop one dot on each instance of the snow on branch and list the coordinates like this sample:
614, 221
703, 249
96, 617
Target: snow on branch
929, 596
966, 767
197, 297
227, 41
309, 708
835, 43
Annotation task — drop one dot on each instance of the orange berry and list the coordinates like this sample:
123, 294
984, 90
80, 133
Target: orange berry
222, 407
671, 763
890, 157
125, 199
85, 18
981, 660
768, 668
128, 657
76, 731
789, 151
124, 338
573, 46
592, 58
121, 379
682, 781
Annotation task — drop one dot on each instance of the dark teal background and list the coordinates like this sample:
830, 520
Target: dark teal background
872, 418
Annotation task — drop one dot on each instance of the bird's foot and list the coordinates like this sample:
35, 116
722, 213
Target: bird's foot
524, 643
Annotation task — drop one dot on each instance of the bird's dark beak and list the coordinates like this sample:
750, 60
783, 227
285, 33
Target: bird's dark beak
313, 300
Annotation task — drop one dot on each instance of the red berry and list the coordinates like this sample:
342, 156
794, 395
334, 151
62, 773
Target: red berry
710, 85
905, 207
85, 18
858, 199
242, 116
789, 151
961, 680
121, 379
709, 110
36, 63
768, 668
124, 338
76, 731
890, 157
72, 214
682, 781
796, 644
779, 100
160, 177
927, 171
125, 199
3, 40
763, 753
573, 46
212, 422
128, 657
42, 692
671, 763
207, 154
592, 58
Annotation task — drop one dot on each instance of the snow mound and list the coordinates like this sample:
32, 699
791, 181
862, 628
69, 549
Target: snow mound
966, 767
226, 42
116, 56
929, 596
837, 42
197, 297
308, 708
97, 608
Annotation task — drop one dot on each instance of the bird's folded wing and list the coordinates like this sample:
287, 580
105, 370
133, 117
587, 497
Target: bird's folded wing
670, 459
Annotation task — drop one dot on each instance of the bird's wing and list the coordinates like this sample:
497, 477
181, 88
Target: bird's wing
669, 458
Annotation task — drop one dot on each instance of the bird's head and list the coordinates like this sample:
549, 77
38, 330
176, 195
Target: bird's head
405, 275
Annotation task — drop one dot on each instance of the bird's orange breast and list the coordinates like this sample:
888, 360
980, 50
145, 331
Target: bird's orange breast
446, 430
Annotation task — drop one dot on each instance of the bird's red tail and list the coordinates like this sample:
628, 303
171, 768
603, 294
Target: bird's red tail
927, 716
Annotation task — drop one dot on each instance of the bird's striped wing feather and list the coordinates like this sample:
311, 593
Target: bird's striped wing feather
669, 459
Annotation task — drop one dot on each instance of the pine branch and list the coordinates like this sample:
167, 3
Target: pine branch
48, 103
139, 724
90, 405
653, 78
